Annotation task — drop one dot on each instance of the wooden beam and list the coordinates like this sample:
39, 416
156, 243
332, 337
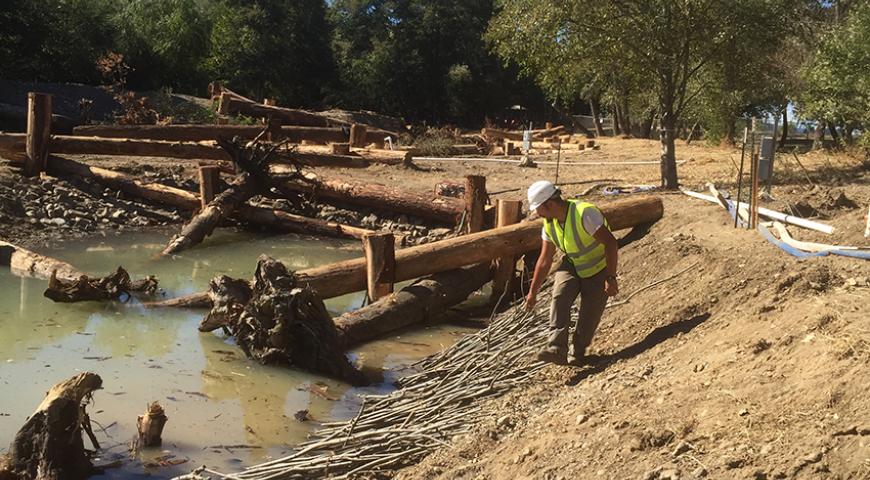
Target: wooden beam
38, 133
475, 202
380, 254
349, 276
508, 213
209, 183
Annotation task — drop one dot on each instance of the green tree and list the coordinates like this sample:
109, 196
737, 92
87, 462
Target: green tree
666, 45
54, 40
837, 78
272, 48
165, 43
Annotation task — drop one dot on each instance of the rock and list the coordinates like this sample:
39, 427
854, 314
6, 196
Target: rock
505, 422
681, 448
699, 472
734, 462
669, 474
581, 419
440, 232
57, 221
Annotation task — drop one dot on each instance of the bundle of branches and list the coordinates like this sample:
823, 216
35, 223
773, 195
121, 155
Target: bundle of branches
50, 445
277, 322
433, 406
253, 160
110, 287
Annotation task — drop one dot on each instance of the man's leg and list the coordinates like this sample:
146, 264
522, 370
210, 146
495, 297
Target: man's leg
566, 287
593, 300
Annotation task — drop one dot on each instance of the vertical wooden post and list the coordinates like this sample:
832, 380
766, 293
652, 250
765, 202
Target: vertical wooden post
38, 133
224, 103
340, 148
357, 135
475, 202
548, 125
507, 213
150, 426
380, 251
270, 102
209, 176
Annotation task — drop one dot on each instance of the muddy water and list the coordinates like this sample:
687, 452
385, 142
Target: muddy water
224, 410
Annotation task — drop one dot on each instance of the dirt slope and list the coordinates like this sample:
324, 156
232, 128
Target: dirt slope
751, 364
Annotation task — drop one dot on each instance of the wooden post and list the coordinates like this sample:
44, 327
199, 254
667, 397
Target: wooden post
357, 135
224, 103
475, 202
590, 143
507, 213
270, 102
38, 133
548, 125
340, 148
150, 426
209, 178
380, 252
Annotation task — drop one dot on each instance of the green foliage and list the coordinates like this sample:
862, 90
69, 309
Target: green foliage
164, 42
837, 80
435, 142
272, 48
54, 40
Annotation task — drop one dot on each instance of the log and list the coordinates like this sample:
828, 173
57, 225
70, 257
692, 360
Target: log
475, 202
50, 446
199, 133
380, 254
233, 105
203, 224
349, 276
135, 148
150, 426
429, 207
497, 134
25, 263
421, 301
110, 287
288, 222
340, 148
38, 133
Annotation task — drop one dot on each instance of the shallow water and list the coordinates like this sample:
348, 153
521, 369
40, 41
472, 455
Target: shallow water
224, 410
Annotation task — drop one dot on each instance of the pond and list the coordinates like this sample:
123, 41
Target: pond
224, 410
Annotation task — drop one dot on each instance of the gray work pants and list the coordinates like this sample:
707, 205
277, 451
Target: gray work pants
566, 286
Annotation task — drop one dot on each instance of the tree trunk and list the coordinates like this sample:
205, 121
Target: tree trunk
847, 133
625, 117
204, 223
728, 137
646, 129
835, 135
819, 135
418, 302
49, 446
348, 276
784, 136
25, 263
596, 117
617, 122
668, 158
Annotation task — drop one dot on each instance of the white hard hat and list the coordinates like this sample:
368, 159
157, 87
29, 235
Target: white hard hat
540, 192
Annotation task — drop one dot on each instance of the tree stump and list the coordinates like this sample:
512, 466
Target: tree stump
277, 322
150, 426
49, 445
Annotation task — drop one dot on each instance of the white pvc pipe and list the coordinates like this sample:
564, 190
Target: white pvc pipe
502, 160
772, 214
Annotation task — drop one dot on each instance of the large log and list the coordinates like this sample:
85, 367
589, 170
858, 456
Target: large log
288, 116
418, 302
289, 222
496, 134
201, 132
25, 263
349, 276
426, 206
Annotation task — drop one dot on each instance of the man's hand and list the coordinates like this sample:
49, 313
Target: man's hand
531, 300
611, 287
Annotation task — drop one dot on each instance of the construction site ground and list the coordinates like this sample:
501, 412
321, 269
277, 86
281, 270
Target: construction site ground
749, 363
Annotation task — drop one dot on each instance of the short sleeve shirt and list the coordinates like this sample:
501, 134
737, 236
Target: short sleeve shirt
592, 221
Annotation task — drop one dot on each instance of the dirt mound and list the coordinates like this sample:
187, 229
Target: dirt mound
750, 364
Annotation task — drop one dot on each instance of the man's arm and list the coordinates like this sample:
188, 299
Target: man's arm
611, 253
542, 269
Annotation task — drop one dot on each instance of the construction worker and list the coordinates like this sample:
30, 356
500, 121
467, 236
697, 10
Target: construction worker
588, 268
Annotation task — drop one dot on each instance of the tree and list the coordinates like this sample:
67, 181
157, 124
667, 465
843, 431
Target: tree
665, 44
837, 79
272, 48
164, 42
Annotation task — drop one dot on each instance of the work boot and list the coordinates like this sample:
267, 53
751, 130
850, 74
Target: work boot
552, 356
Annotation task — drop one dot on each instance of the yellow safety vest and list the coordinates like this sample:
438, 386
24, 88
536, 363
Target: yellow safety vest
583, 250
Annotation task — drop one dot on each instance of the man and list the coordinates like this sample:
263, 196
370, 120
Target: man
588, 268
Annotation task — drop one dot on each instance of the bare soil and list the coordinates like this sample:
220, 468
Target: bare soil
748, 364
